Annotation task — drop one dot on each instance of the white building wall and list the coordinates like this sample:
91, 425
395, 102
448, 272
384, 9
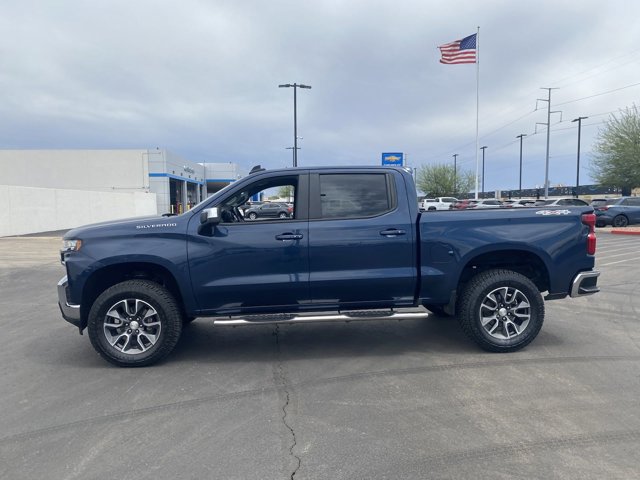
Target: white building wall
216, 172
123, 170
32, 210
97, 170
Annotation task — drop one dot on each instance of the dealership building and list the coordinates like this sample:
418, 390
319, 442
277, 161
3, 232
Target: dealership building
150, 181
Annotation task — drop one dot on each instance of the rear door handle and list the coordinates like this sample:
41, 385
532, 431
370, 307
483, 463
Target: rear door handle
289, 236
392, 232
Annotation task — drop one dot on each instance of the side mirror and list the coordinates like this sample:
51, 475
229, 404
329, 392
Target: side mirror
210, 216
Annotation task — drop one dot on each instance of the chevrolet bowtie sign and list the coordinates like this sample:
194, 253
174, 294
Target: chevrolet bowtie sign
395, 159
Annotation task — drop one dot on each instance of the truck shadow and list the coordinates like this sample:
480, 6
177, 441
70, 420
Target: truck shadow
204, 342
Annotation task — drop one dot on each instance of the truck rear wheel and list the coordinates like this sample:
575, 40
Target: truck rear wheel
134, 323
501, 310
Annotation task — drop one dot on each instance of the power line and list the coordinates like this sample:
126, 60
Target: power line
596, 67
599, 94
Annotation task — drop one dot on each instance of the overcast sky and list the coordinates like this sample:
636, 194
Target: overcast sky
200, 78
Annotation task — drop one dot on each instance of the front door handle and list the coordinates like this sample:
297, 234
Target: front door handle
392, 232
289, 236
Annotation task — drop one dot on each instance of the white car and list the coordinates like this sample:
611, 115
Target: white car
438, 203
488, 203
525, 202
570, 201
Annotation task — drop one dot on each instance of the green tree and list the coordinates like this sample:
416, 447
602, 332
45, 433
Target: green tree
286, 191
437, 180
617, 151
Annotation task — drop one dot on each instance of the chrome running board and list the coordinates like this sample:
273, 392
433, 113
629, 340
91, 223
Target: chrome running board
314, 317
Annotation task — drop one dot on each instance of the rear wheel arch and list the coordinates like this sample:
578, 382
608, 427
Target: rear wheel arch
520, 261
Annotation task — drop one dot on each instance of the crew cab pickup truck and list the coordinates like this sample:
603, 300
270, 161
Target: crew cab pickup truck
356, 247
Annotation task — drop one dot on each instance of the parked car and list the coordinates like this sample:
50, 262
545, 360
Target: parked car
462, 204
523, 202
249, 205
438, 203
601, 202
269, 210
567, 202
487, 203
619, 212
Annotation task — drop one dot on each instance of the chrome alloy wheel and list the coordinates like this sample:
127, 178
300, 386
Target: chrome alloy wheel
132, 326
505, 313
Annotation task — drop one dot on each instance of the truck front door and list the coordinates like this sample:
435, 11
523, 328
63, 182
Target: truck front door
242, 265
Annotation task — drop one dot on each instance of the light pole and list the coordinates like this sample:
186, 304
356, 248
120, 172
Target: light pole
295, 117
455, 171
579, 120
483, 149
293, 150
520, 184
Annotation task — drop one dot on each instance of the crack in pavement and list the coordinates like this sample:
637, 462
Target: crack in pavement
285, 387
303, 384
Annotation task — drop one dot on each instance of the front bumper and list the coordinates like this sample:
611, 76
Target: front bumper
585, 283
70, 312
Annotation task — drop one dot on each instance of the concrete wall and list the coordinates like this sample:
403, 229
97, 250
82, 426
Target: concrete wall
97, 170
29, 209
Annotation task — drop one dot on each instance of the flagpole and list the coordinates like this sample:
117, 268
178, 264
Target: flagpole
477, 106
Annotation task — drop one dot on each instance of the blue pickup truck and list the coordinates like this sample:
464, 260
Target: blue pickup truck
355, 247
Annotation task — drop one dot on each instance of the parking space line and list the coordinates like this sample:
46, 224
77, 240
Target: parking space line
617, 252
607, 257
611, 263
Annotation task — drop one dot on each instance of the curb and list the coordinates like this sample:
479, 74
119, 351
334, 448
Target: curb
625, 232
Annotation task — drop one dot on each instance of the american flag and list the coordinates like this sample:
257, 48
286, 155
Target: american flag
460, 51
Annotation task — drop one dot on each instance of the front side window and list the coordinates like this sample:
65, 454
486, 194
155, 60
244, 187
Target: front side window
277, 193
354, 195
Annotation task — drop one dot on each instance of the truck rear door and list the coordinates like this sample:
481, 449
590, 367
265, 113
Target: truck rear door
361, 240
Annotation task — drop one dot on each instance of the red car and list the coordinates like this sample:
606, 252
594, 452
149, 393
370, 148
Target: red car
463, 204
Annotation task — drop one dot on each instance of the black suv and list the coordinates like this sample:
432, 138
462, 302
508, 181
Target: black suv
269, 210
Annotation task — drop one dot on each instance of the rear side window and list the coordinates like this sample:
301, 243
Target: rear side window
354, 195
634, 201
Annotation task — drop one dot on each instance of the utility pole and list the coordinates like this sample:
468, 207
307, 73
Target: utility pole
455, 171
483, 149
520, 184
548, 124
579, 120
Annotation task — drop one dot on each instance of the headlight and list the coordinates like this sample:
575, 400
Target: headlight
71, 245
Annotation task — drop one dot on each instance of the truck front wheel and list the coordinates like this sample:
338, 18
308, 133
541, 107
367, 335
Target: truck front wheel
501, 310
134, 323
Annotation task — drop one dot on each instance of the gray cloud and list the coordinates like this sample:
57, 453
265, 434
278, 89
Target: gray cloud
200, 78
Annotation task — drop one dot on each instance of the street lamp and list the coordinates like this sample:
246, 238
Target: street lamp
579, 120
483, 149
520, 184
293, 150
455, 171
295, 117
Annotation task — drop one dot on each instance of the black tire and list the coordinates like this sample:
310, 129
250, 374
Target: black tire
437, 310
253, 216
162, 321
601, 224
500, 286
282, 215
620, 221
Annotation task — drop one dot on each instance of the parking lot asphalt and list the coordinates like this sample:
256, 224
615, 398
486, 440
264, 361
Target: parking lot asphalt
394, 399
